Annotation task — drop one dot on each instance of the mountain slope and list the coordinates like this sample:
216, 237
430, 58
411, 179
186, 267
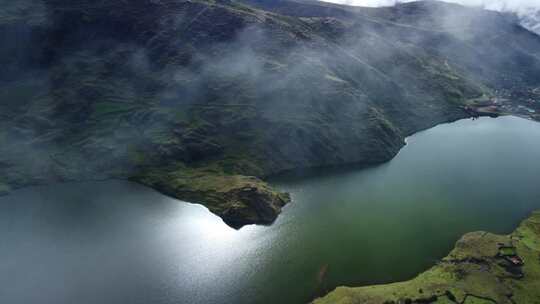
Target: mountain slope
190, 97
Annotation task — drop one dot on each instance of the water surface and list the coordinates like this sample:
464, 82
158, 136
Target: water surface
118, 242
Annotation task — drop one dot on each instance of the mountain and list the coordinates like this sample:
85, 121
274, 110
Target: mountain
202, 99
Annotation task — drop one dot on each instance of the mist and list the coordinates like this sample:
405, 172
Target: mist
501, 5
110, 99
527, 10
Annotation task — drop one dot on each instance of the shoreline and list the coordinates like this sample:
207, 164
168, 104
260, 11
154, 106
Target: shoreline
238, 199
482, 268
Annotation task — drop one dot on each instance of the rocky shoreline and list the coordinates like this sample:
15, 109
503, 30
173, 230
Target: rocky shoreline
483, 268
238, 200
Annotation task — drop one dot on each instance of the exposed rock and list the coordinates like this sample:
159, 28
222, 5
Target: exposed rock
238, 200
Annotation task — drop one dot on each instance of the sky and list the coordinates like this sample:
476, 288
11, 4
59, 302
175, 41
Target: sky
528, 10
512, 5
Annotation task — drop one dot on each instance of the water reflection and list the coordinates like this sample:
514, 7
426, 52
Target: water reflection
117, 242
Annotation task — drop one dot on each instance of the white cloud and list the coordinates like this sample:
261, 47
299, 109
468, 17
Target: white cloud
528, 10
506, 5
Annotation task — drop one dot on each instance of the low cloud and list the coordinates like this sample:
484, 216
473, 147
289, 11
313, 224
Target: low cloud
502, 5
527, 10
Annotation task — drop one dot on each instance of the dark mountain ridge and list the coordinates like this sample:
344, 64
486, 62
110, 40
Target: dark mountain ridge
192, 97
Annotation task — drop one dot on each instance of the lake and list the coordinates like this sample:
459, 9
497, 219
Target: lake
118, 242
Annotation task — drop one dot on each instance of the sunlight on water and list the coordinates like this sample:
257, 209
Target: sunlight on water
118, 242
212, 228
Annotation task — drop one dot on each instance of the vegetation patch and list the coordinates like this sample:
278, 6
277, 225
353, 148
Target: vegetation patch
473, 272
238, 200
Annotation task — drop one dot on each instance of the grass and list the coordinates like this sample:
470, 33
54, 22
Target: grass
470, 274
220, 192
507, 251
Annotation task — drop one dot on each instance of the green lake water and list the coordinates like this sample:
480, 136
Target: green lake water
118, 242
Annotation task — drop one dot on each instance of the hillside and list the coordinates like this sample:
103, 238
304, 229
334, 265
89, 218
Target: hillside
202, 99
483, 268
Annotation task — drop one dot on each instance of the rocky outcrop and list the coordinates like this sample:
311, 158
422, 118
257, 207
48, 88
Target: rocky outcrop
238, 200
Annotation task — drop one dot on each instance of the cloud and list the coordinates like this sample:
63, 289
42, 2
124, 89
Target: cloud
502, 5
527, 10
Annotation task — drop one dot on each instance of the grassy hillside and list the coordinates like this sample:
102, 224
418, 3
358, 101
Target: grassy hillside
189, 97
483, 268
